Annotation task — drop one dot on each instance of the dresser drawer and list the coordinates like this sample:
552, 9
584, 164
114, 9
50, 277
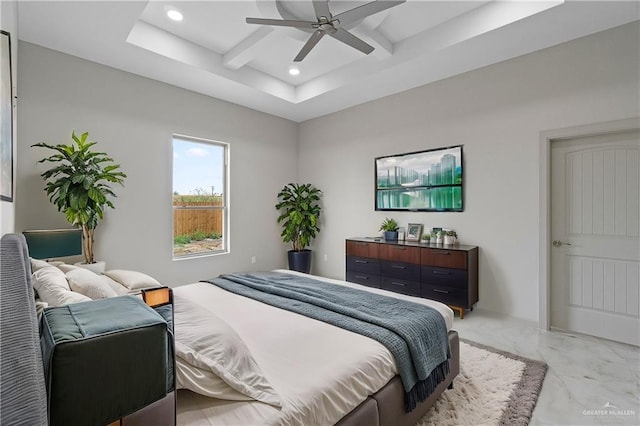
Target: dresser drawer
443, 258
448, 295
363, 264
362, 249
411, 288
370, 280
445, 277
404, 271
400, 253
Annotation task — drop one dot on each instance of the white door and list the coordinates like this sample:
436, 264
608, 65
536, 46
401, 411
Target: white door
595, 258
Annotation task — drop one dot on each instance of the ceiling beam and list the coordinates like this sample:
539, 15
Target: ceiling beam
243, 52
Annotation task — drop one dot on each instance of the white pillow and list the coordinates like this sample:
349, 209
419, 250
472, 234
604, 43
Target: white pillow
53, 288
116, 286
89, 283
65, 267
133, 280
39, 264
49, 278
69, 297
209, 345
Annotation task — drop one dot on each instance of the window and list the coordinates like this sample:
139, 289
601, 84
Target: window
200, 213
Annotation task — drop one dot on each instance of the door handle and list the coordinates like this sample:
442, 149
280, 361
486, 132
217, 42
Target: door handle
558, 243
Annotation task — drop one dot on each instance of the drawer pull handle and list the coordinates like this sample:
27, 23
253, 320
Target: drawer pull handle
398, 267
440, 291
397, 283
362, 261
442, 253
441, 273
362, 244
400, 248
362, 277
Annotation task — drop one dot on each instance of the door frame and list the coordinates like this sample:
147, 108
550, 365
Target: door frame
544, 222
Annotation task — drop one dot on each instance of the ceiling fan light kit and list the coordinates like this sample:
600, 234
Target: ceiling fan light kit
327, 24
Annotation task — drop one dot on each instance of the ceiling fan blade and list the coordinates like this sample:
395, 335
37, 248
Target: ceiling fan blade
322, 9
365, 10
313, 40
353, 41
281, 22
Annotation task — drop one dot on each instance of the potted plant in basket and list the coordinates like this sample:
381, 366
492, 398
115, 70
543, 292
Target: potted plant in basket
78, 185
299, 214
426, 238
450, 237
390, 228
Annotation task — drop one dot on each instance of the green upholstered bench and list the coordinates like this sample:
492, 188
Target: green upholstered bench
104, 360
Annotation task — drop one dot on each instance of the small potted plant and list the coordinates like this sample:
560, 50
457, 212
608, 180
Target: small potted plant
390, 228
450, 237
425, 239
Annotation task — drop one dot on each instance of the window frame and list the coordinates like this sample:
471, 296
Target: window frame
226, 218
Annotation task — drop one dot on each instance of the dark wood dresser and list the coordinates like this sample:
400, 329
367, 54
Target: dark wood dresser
446, 273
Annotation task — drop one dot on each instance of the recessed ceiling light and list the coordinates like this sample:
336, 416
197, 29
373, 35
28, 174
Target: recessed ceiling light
174, 15
294, 71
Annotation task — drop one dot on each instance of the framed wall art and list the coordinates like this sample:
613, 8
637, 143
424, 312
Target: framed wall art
414, 232
6, 119
429, 180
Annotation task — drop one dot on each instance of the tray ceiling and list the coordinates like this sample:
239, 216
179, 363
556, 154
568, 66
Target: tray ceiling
213, 50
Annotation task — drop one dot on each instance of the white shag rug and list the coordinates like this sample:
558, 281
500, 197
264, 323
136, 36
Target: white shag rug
493, 388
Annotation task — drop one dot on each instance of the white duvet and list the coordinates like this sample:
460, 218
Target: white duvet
320, 372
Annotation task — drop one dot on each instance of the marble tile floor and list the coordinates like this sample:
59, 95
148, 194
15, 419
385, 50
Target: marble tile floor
587, 376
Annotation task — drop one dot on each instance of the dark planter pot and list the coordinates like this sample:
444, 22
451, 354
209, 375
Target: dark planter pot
391, 235
300, 261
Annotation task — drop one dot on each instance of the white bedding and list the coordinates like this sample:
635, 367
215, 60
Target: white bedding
321, 372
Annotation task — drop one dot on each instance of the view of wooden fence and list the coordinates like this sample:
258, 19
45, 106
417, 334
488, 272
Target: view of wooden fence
190, 217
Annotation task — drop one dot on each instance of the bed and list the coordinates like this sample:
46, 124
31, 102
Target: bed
301, 371
314, 373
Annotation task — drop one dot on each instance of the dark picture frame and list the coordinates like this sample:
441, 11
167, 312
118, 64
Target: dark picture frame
414, 232
6, 114
427, 181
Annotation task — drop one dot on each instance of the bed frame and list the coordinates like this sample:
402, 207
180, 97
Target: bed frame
386, 407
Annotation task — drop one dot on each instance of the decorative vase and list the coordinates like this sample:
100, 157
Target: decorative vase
438, 239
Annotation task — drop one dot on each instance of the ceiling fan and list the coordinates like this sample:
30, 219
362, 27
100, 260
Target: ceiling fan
331, 25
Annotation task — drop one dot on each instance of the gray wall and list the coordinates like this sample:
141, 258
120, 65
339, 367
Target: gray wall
497, 113
133, 119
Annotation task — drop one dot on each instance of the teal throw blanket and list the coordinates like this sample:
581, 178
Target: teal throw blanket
415, 334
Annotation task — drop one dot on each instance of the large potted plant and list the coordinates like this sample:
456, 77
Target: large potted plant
299, 215
79, 185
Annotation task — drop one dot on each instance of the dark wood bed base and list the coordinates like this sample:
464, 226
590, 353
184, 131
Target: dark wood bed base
386, 407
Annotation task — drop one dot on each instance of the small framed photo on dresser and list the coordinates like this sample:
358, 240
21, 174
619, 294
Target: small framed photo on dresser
414, 232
